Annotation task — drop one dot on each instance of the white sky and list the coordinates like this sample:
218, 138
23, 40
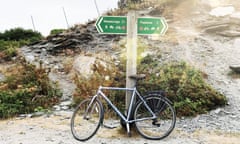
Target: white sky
48, 14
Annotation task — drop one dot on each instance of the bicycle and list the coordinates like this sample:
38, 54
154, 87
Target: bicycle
153, 115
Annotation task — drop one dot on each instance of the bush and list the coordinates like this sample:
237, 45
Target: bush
18, 34
56, 31
109, 75
15, 102
184, 85
25, 89
12, 39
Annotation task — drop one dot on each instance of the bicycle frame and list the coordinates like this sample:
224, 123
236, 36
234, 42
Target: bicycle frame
135, 94
153, 114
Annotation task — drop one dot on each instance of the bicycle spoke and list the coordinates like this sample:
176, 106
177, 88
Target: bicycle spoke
86, 120
159, 127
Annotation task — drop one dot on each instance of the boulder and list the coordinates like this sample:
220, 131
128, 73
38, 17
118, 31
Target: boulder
82, 65
235, 68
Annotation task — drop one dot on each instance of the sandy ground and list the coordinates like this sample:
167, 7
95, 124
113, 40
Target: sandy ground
55, 129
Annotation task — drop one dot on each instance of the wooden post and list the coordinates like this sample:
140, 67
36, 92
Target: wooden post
65, 17
34, 28
131, 67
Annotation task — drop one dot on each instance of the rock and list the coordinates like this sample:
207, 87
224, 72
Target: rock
229, 33
66, 103
236, 15
235, 68
222, 11
65, 107
82, 65
2, 77
29, 58
217, 111
57, 108
37, 114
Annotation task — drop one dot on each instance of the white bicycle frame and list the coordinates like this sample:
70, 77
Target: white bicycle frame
127, 119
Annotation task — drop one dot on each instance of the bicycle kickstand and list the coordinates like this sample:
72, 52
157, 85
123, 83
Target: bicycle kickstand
128, 130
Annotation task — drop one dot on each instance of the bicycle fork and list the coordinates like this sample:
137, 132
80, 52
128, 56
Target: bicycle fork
90, 108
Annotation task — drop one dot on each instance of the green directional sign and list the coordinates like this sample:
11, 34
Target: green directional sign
149, 26
112, 25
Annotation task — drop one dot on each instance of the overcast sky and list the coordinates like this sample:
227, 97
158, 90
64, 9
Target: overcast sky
49, 14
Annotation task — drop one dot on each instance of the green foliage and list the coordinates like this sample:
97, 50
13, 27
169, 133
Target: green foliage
26, 89
102, 75
14, 102
8, 49
12, 39
185, 86
56, 31
18, 34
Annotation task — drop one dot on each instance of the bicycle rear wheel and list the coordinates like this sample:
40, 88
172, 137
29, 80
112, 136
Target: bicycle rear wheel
86, 119
160, 127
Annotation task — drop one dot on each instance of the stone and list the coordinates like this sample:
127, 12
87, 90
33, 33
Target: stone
29, 58
222, 11
57, 108
66, 103
83, 64
235, 68
2, 77
65, 107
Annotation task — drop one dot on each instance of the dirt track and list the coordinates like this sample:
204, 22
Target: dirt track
56, 130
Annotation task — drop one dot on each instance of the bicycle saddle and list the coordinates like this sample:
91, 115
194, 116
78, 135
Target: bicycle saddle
137, 76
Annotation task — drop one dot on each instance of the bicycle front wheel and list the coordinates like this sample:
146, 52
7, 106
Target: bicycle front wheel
162, 125
86, 119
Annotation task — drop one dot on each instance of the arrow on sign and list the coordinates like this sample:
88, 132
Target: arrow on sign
112, 25
149, 25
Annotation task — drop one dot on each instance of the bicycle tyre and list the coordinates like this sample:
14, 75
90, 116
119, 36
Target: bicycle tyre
163, 125
85, 123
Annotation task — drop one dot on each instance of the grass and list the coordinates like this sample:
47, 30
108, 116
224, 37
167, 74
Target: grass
184, 85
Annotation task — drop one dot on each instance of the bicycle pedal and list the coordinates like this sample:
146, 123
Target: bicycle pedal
109, 126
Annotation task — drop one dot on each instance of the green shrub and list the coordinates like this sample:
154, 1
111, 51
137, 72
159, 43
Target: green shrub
25, 89
56, 31
15, 102
18, 34
109, 75
185, 86
12, 39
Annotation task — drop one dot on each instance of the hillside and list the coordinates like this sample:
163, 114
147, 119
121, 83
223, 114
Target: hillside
205, 37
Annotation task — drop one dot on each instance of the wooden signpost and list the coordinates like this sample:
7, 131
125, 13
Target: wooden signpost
132, 25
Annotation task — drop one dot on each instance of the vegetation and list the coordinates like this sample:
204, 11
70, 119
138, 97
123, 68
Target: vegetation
18, 34
184, 85
28, 89
25, 90
125, 3
56, 31
111, 76
12, 39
